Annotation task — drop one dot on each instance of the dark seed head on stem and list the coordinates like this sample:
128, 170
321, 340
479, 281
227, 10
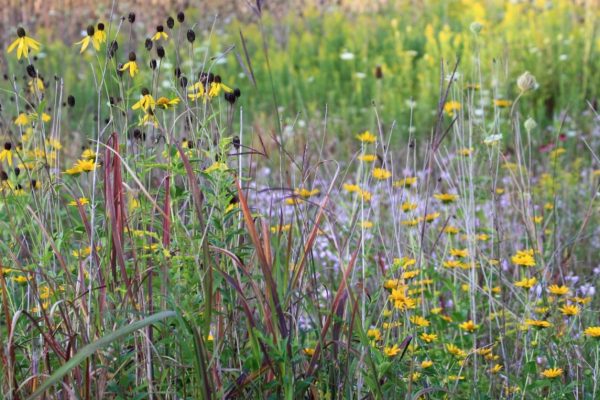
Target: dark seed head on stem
21, 32
100, 26
31, 71
170, 22
90, 30
71, 100
191, 36
132, 56
131, 17
180, 17
148, 44
160, 28
160, 51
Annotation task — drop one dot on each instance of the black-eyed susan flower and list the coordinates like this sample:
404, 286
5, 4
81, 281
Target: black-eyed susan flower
309, 351
131, 65
381, 174
592, 331
303, 192
539, 324
368, 158
100, 34
6, 153
146, 101
82, 201
552, 373
428, 337
166, 103
82, 166
22, 120
89, 38
459, 253
456, 351
197, 91
23, 43
350, 187
426, 364
374, 334
148, 118
408, 206
160, 34
366, 137
502, 103
216, 86
419, 321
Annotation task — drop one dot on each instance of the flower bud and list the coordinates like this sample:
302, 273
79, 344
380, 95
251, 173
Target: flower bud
530, 124
527, 82
476, 27
191, 36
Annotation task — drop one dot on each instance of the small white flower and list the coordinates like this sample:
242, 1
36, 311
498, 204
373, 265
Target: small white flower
492, 139
360, 75
347, 56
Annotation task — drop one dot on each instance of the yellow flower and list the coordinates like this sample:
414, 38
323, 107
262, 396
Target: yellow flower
366, 137
303, 192
366, 224
446, 198
391, 284
367, 157
216, 86
459, 253
349, 187
454, 264
216, 166
581, 300
524, 258
391, 351
468, 326
82, 201
21, 279
537, 323
450, 230
569, 310
6, 153
420, 321
408, 206
100, 35
429, 337
374, 334
146, 101
22, 120
451, 106
36, 84
526, 283
309, 351
381, 173
558, 290
23, 43
131, 65
165, 103
431, 217
197, 91
592, 331
149, 118
495, 369
552, 373
455, 351
465, 151
406, 182
426, 364
88, 154
502, 103
85, 42
160, 33
365, 195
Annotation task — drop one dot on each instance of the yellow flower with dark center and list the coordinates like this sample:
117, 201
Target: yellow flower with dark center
558, 290
165, 103
429, 337
524, 258
381, 173
468, 326
131, 65
216, 86
197, 91
459, 253
446, 198
411, 222
406, 182
410, 274
581, 300
592, 331
453, 264
23, 43
419, 321
540, 324
466, 152
526, 283
146, 101
88, 154
569, 310
391, 351
82, 166
6, 153
451, 107
367, 158
100, 35
149, 118
552, 373
160, 34
216, 166
89, 38
366, 137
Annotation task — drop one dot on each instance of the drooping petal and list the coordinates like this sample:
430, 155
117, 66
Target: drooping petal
13, 45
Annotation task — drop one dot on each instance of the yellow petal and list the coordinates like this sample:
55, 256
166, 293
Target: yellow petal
13, 45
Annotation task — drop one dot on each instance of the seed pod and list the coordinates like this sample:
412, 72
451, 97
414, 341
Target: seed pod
148, 44
170, 22
180, 17
71, 101
131, 17
31, 71
191, 36
160, 51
